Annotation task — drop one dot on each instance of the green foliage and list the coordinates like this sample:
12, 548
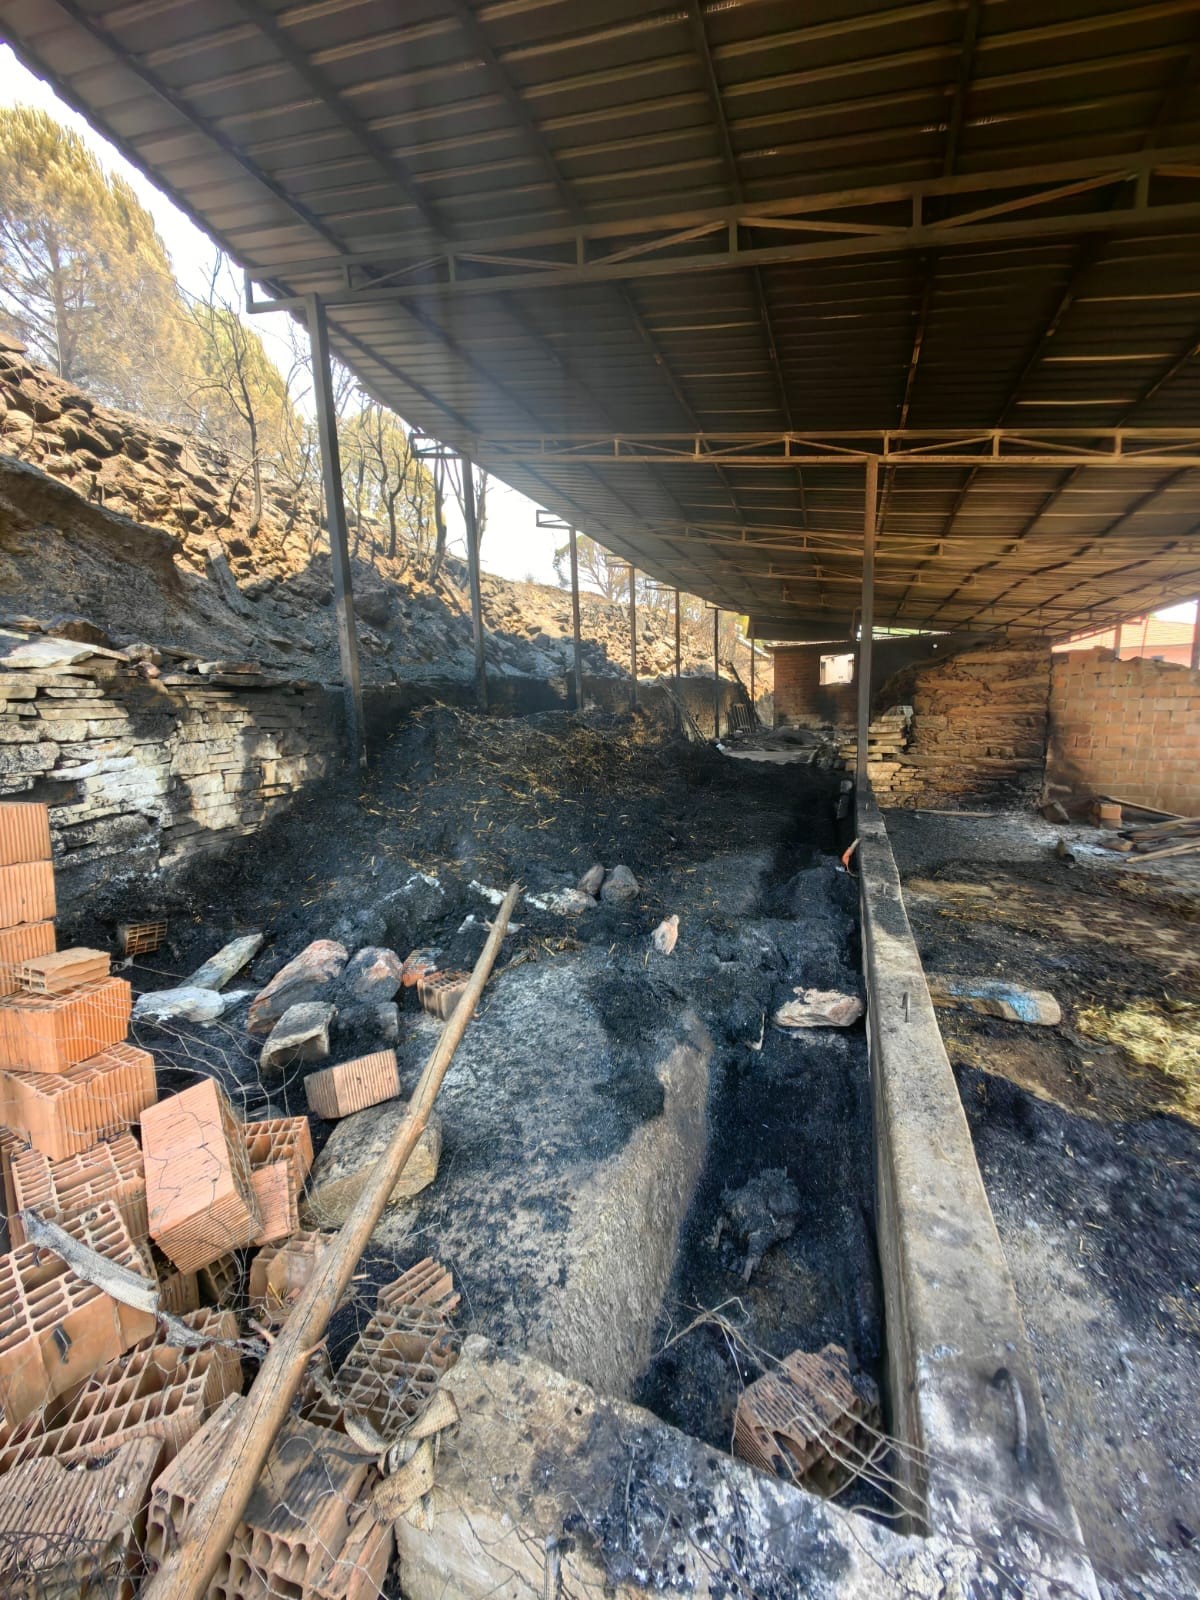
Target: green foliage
85, 280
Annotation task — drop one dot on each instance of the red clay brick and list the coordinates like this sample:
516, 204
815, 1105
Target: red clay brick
62, 970
57, 1329
198, 1188
75, 1533
178, 1291
440, 992
60, 1190
281, 1154
26, 893
24, 832
220, 1282
20, 944
62, 1114
277, 1201
49, 1033
280, 1272
305, 1533
353, 1085
160, 1390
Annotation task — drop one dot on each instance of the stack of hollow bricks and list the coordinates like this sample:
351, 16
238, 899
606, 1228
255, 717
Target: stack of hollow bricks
83, 1377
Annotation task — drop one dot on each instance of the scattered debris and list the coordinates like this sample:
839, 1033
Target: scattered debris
141, 938
305, 977
188, 1003
416, 965
619, 886
227, 963
760, 1214
1063, 851
994, 997
810, 1422
819, 1008
1055, 811
301, 1034
666, 935
280, 1272
344, 1166
353, 1085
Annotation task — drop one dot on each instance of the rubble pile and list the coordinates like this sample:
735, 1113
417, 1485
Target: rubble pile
142, 1269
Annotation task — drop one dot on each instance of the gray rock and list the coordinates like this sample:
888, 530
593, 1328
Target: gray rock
354, 1147
301, 1034
373, 973
619, 886
187, 1003
592, 880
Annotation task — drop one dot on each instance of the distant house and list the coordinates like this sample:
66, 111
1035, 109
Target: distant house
1150, 636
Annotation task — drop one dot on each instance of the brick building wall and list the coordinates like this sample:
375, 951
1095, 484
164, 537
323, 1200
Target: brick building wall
147, 772
1126, 728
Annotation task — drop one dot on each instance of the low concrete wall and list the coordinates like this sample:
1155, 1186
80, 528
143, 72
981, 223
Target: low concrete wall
963, 1389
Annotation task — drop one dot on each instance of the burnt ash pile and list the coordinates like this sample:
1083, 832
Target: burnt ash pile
587, 1083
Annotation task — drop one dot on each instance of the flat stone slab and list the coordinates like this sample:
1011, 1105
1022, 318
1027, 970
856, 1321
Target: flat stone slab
354, 1147
301, 1034
994, 997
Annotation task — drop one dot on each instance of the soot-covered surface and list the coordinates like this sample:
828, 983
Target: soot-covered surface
560, 1075
1090, 1159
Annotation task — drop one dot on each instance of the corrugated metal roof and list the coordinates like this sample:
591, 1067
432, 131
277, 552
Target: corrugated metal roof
607, 149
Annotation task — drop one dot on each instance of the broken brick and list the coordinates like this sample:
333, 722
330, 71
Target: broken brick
57, 1329
198, 1190
353, 1085
303, 1523
280, 1139
26, 893
20, 944
399, 1357
62, 1114
160, 1390
220, 1281
281, 1154
61, 970
66, 1531
24, 832
50, 1032
178, 1291
807, 1422
440, 992
280, 1272
61, 1190
303, 978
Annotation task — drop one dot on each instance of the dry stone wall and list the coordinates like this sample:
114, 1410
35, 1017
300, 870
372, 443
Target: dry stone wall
145, 772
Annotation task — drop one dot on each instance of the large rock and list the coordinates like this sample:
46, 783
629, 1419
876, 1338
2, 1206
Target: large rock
373, 974
305, 977
354, 1146
301, 1034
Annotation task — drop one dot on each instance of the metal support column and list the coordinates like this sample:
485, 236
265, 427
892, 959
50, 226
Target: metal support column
575, 620
716, 674
633, 698
335, 518
867, 617
471, 519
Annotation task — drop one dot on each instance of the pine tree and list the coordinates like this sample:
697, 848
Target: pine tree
85, 280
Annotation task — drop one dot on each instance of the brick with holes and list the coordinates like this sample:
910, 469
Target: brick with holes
808, 1421
198, 1190
24, 832
60, 1190
22, 943
64, 1113
51, 1032
353, 1085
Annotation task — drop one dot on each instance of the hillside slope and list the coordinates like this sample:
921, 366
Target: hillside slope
141, 531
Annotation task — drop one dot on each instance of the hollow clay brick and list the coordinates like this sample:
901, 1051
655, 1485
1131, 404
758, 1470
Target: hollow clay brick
178, 1291
440, 992
198, 1189
19, 944
60, 1190
51, 1032
65, 1532
26, 893
305, 1531
24, 832
280, 1139
280, 1272
277, 1201
62, 1114
353, 1085
220, 1282
160, 1389
396, 1361
57, 1329
62, 970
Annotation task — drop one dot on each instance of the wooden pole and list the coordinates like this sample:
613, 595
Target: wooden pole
185, 1574
716, 673
677, 648
575, 620
472, 522
867, 619
753, 703
1195, 662
633, 699
335, 518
